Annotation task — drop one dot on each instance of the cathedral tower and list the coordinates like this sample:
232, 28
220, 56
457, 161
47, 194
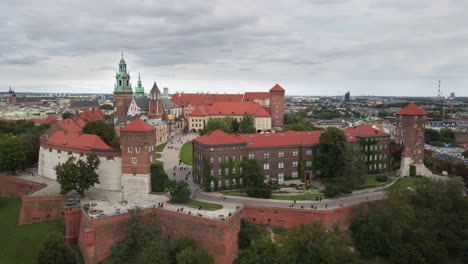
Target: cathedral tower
122, 90
155, 104
277, 107
139, 90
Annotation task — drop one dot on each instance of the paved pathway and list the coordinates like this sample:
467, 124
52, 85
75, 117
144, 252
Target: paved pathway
170, 158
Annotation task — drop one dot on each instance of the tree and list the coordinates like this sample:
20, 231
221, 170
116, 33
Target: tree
214, 124
104, 131
77, 175
247, 124
191, 255
253, 174
32, 144
55, 251
159, 177
332, 146
107, 107
431, 135
235, 126
12, 152
67, 115
180, 191
157, 252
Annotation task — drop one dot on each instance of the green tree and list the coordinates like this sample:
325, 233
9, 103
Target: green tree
77, 175
12, 152
431, 135
246, 125
159, 177
253, 174
235, 126
67, 115
332, 146
313, 244
32, 143
191, 255
107, 107
180, 191
55, 251
214, 124
104, 131
157, 252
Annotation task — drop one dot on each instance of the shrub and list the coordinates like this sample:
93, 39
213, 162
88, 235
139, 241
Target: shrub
262, 191
412, 170
381, 178
331, 191
158, 177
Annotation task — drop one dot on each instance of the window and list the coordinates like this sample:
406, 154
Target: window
219, 159
226, 159
251, 156
241, 158
233, 158
280, 177
294, 164
211, 149
385, 146
134, 160
309, 152
402, 133
226, 171
415, 125
220, 148
137, 149
266, 155
266, 166
233, 147
211, 172
294, 174
295, 153
130, 149
241, 170
219, 172
280, 154
234, 170
308, 163
280, 165
211, 160
151, 158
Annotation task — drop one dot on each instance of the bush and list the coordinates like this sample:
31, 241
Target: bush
412, 170
381, 178
158, 177
262, 191
331, 191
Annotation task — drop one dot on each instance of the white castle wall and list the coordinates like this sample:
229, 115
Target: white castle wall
109, 171
138, 183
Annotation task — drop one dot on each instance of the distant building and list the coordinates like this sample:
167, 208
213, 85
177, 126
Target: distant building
452, 95
84, 105
347, 97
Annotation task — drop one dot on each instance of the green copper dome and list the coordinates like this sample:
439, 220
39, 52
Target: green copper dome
139, 90
122, 78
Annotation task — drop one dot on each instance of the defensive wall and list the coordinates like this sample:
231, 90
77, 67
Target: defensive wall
41, 208
15, 187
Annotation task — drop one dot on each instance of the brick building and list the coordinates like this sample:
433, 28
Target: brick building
282, 155
410, 125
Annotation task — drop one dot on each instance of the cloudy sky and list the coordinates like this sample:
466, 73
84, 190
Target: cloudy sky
310, 47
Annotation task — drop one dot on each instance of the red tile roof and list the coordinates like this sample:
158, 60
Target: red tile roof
184, 99
77, 141
412, 110
92, 115
277, 88
353, 133
231, 108
48, 120
219, 137
137, 125
250, 96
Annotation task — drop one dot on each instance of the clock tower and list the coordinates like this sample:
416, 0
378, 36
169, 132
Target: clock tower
122, 90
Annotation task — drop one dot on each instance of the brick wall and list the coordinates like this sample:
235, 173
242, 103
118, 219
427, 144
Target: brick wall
38, 209
14, 187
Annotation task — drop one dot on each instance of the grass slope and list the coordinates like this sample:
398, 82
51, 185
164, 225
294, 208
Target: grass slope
19, 244
186, 153
204, 205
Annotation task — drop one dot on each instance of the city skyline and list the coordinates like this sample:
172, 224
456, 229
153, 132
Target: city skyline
383, 48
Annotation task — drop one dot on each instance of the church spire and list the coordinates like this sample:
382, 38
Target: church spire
139, 90
122, 78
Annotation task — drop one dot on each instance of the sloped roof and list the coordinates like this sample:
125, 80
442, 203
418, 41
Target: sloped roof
363, 130
250, 96
142, 103
219, 137
77, 141
93, 115
155, 88
231, 108
137, 125
168, 104
412, 110
184, 99
47, 120
277, 88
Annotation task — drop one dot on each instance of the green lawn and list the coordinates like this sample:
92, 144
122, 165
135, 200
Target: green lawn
158, 156
19, 244
297, 197
408, 182
186, 154
204, 205
371, 182
160, 148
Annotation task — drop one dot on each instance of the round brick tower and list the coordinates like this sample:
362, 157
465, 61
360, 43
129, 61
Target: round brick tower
410, 125
137, 143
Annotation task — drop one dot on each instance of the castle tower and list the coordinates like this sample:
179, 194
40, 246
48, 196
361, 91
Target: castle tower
122, 90
139, 90
410, 123
277, 107
155, 103
137, 143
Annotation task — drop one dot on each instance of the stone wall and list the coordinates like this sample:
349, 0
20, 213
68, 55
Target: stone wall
38, 209
14, 187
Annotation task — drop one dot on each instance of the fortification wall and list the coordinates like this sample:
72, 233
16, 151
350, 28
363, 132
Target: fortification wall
38, 209
14, 187
219, 238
